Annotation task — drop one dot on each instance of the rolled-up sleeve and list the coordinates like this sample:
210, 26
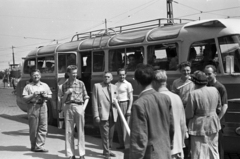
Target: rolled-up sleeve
84, 92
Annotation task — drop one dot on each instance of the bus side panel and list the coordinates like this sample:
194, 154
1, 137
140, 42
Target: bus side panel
232, 116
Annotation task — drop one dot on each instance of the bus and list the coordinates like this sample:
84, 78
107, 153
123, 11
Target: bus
154, 42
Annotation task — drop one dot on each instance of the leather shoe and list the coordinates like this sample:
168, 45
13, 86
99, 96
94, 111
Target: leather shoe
82, 157
32, 149
40, 150
72, 157
120, 148
110, 154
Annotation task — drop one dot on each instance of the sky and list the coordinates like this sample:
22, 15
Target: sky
27, 24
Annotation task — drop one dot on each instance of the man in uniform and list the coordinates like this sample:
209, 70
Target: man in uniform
125, 99
104, 113
76, 99
36, 95
211, 73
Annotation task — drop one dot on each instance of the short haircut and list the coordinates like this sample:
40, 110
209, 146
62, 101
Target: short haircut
71, 67
107, 72
34, 70
121, 69
160, 76
144, 74
211, 66
131, 55
184, 64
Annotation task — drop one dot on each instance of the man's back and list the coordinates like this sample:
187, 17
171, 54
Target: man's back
150, 126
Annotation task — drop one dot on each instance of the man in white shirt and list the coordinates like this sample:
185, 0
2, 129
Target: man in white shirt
125, 98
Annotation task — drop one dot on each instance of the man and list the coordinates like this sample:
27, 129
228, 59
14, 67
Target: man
183, 86
75, 99
36, 94
180, 128
132, 62
211, 73
151, 120
125, 99
104, 113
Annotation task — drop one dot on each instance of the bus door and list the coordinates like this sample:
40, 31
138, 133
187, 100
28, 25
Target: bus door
86, 69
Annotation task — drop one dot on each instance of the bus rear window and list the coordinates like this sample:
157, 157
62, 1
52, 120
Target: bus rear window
29, 65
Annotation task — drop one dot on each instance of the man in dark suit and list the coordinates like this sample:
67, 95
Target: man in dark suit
104, 113
151, 120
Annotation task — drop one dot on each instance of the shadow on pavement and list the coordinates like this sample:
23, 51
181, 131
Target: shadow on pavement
14, 148
19, 118
43, 155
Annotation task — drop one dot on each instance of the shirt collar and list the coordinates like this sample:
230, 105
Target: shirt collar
145, 90
163, 89
39, 83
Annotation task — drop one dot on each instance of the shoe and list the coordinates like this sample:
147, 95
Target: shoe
72, 157
120, 148
40, 150
32, 149
110, 155
82, 157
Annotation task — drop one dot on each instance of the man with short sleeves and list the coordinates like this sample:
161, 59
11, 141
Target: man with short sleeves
36, 94
211, 73
125, 99
76, 99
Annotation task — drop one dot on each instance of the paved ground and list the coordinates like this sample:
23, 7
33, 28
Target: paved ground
14, 138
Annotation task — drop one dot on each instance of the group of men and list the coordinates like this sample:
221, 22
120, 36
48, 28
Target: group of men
157, 118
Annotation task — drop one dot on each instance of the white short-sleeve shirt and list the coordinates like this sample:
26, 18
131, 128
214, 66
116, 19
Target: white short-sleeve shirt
124, 88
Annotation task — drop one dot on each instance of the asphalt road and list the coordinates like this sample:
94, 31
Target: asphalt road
14, 135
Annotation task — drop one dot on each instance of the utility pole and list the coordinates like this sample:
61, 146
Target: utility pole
106, 29
169, 12
13, 56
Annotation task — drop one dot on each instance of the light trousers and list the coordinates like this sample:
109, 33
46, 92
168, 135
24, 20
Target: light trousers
74, 115
37, 120
121, 130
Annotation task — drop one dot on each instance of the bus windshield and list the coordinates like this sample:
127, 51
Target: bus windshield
230, 47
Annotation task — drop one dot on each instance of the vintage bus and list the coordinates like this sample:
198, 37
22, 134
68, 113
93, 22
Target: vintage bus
214, 41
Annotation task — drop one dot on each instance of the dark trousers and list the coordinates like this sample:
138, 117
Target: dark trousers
107, 131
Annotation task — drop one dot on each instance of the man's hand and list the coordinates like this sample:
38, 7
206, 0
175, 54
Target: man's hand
69, 91
36, 93
44, 95
128, 113
97, 120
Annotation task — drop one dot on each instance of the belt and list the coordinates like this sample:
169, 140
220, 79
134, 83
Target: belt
75, 102
36, 102
123, 101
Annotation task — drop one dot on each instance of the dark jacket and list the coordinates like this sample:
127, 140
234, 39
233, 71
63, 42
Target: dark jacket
151, 126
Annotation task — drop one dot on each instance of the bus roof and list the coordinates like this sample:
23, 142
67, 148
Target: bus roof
155, 33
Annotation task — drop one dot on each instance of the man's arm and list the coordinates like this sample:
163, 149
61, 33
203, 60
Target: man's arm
130, 103
139, 133
95, 104
85, 96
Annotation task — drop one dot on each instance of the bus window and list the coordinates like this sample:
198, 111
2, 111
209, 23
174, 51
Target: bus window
163, 56
98, 61
203, 53
29, 65
134, 57
116, 59
46, 64
64, 60
230, 47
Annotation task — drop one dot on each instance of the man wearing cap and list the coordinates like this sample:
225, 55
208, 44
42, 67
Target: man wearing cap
76, 99
211, 73
203, 121
36, 94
